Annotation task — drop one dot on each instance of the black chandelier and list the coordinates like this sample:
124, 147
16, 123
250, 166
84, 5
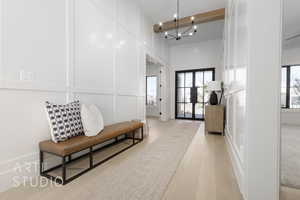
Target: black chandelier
188, 32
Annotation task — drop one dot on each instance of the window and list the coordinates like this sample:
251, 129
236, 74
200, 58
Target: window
290, 86
151, 90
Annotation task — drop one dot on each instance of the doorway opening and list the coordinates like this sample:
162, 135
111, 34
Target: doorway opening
153, 88
191, 94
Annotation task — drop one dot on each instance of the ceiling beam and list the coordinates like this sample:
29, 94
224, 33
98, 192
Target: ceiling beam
186, 21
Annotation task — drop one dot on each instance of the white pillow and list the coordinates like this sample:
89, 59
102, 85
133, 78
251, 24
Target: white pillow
92, 120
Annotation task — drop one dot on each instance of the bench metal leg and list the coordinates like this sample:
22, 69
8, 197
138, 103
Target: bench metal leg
64, 170
68, 159
133, 137
91, 157
41, 162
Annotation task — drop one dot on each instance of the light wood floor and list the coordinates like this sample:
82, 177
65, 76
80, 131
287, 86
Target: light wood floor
289, 193
205, 172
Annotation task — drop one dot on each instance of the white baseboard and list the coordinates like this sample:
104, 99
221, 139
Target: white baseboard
236, 163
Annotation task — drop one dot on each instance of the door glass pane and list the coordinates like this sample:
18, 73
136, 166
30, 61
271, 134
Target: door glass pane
206, 96
283, 86
188, 110
295, 87
199, 110
180, 110
180, 80
208, 77
199, 79
188, 95
180, 94
200, 94
189, 79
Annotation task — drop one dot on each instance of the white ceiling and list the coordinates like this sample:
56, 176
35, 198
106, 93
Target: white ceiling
291, 22
163, 10
291, 15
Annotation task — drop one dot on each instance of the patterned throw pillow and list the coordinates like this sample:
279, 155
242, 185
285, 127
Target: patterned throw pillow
64, 120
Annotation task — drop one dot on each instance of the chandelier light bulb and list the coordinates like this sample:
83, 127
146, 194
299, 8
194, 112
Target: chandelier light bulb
179, 34
195, 27
192, 18
160, 24
166, 33
175, 16
191, 34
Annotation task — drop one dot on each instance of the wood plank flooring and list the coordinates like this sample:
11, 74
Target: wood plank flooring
205, 172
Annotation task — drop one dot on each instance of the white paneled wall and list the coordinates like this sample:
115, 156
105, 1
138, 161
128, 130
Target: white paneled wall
94, 47
127, 63
252, 81
104, 102
62, 50
235, 82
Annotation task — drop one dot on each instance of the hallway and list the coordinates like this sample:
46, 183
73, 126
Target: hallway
205, 173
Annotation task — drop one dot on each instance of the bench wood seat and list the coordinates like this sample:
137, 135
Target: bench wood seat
79, 143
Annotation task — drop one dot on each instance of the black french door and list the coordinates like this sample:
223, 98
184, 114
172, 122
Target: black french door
191, 94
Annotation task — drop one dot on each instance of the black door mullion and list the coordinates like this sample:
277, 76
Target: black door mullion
193, 103
203, 98
184, 96
288, 86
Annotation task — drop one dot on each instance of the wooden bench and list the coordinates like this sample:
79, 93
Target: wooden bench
76, 144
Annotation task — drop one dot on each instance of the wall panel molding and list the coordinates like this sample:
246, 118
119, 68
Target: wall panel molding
70, 47
93, 91
236, 162
57, 81
1, 40
32, 86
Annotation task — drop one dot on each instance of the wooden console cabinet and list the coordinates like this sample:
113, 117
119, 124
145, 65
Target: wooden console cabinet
214, 119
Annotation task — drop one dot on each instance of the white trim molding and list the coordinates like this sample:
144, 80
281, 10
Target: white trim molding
236, 162
262, 149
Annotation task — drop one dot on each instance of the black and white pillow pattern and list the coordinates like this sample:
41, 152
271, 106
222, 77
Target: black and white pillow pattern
64, 120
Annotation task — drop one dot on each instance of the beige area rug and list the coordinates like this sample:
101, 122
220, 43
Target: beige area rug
141, 173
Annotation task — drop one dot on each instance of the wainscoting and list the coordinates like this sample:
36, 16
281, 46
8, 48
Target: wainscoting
62, 50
